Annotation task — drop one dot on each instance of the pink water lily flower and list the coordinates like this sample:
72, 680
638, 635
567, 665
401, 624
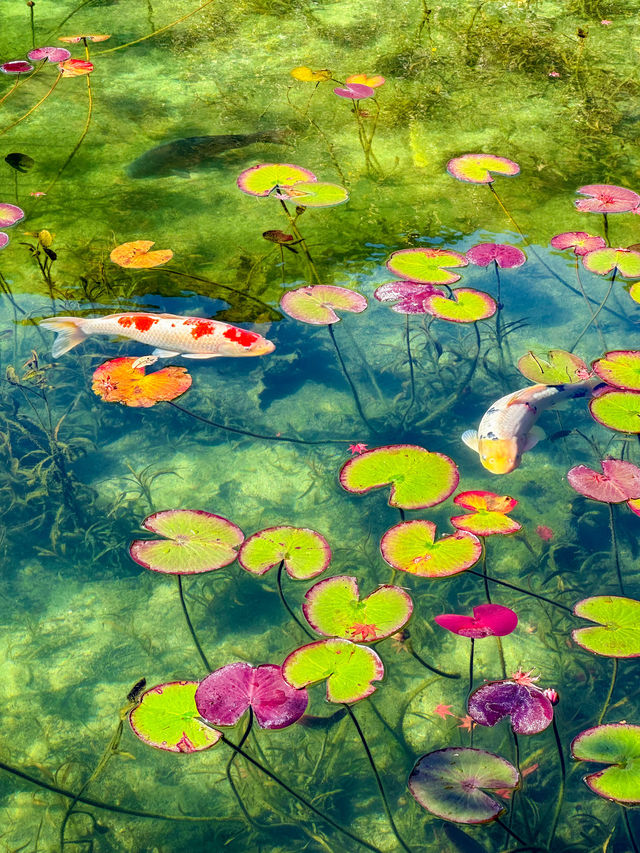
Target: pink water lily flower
488, 620
606, 198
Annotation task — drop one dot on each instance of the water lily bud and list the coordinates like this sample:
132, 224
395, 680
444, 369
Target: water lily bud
12, 376
552, 695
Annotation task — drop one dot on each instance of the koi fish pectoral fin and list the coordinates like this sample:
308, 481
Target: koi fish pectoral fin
535, 435
164, 353
201, 355
470, 438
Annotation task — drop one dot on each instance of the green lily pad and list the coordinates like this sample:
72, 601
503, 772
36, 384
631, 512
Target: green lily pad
619, 410
603, 261
465, 306
316, 194
555, 367
196, 541
411, 547
332, 607
452, 783
620, 368
478, 168
265, 178
317, 304
349, 669
305, 552
617, 634
489, 513
418, 477
167, 718
618, 745
428, 266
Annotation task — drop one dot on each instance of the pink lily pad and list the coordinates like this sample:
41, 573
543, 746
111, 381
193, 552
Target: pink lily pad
427, 266
317, 304
489, 516
506, 257
412, 547
603, 261
620, 368
167, 718
465, 306
606, 198
488, 620
10, 214
479, 168
579, 241
4, 239
51, 54
355, 91
17, 66
620, 481
224, 696
411, 296
527, 707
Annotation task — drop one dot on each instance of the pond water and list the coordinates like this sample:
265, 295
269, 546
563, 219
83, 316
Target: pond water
548, 89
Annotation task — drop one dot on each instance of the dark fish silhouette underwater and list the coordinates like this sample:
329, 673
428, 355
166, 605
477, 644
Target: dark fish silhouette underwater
182, 156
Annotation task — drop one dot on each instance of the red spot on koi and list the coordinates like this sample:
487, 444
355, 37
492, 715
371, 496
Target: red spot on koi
140, 321
200, 328
240, 336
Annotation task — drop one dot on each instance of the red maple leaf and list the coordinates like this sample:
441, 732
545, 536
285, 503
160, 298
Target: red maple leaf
444, 711
365, 631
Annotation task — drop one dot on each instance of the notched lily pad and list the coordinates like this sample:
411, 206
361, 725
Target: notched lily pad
465, 306
620, 368
617, 634
427, 266
603, 261
411, 547
618, 745
618, 410
528, 708
480, 168
167, 718
305, 552
317, 304
489, 513
315, 194
265, 178
555, 367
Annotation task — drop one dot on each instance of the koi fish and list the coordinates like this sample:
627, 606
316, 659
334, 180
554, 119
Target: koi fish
170, 334
507, 429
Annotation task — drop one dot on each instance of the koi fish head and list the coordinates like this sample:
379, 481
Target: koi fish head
240, 342
499, 455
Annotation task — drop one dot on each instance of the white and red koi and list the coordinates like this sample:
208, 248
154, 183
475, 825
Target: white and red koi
170, 334
507, 429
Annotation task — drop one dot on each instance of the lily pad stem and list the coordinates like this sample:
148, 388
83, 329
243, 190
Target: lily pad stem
272, 311
187, 619
411, 371
563, 776
596, 312
524, 591
356, 398
612, 684
34, 107
302, 241
232, 785
471, 665
627, 826
616, 553
287, 606
428, 666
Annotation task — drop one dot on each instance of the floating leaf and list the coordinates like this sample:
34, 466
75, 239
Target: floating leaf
10, 214
348, 668
603, 261
618, 745
619, 481
315, 194
224, 696
317, 304
305, 552
427, 266
489, 516
620, 368
306, 75
167, 718
465, 306
95, 37
411, 547
411, 296
20, 162
555, 367
579, 241
332, 607
418, 477
527, 707
479, 168
617, 634
355, 91
75, 67
265, 178
50, 54
606, 198
619, 410
488, 620
4, 239
196, 541
122, 380
374, 81
17, 66
505, 256
136, 255
451, 783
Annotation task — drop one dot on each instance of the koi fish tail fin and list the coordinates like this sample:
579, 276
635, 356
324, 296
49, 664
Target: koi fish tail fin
68, 331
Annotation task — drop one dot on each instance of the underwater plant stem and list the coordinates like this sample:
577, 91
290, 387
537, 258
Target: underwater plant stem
232, 785
428, 666
563, 776
612, 684
257, 434
301, 240
411, 370
605, 219
498, 316
588, 303
228, 287
616, 552
374, 770
597, 311
286, 604
627, 826
12, 89
471, 665
507, 214
240, 751
356, 398
510, 832
187, 619
34, 107
522, 590
484, 571
33, 24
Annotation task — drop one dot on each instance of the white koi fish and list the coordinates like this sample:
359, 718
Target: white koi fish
507, 429
170, 334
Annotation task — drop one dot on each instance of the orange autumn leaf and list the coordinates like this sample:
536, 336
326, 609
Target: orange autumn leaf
75, 67
82, 36
123, 380
307, 75
136, 255
374, 81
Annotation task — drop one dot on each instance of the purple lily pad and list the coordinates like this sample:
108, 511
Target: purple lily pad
4, 239
505, 256
51, 54
579, 241
10, 214
17, 66
528, 708
355, 91
410, 295
224, 696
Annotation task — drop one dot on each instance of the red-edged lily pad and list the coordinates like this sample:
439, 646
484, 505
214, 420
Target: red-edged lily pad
617, 634
355, 91
123, 380
305, 552
452, 783
527, 707
418, 477
412, 547
606, 198
314, 194
333, 607
603, 261
481, 168
196, 542
349, 669
427, 266
620, 368
465, 306
617, 745
224, 696
505, 256
4, 239
408, 296
489, 514
619, 481
16, 66
618, 410
10, 214
50, 54
488, 620
317, 304
262, 180
579, 241
555, 367
167, 718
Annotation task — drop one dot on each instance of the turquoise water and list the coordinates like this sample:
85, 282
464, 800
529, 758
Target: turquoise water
82, 623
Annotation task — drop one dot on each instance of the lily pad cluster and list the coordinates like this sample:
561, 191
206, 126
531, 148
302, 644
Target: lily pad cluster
287, 182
